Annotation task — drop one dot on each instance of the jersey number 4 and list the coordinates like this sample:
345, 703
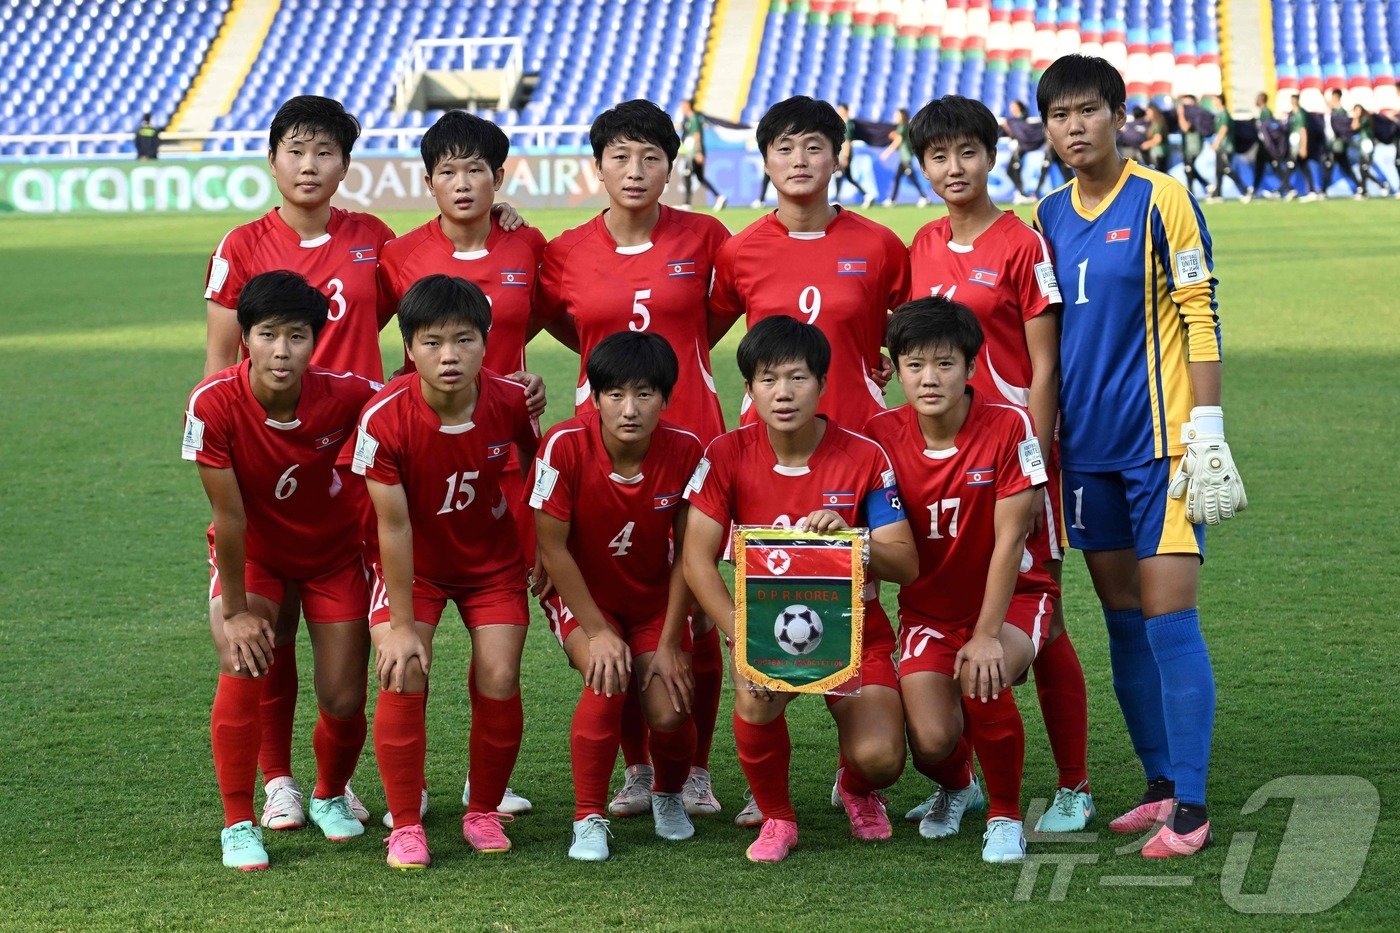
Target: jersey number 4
622, 541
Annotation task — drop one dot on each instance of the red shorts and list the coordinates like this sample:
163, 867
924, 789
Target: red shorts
642, 636
518, 501
497, 602
932, 645
339, 595
877, 667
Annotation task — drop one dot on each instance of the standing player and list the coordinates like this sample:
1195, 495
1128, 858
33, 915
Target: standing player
692, 152
815, 261
1301, 148
780, 472
843, 161
335, 250
432, 446
1000, 268
967, 466
266, 435
899, 143
1141, 427
607, 495
463, 157
642, 266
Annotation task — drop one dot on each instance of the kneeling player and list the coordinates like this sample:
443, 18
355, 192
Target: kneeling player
607, 495
967, 467
432, 446
266, 435
781, 471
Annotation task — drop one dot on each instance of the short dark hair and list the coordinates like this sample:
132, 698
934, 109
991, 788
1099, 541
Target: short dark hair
951, 119
638, 121
461, 135
798, 115
282, 297
1070, 75
308, 115
633, 359
441, 299
933, 323
783, 339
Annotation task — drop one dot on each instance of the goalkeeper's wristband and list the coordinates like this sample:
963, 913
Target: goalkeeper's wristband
1206, 421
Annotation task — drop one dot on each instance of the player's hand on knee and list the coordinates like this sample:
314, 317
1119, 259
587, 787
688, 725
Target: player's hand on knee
1207, 476
609, 663
672, 666
393, 656
250, 641
981, 666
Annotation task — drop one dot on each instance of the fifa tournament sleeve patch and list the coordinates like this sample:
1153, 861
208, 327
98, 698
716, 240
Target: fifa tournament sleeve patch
1045, 278
1032, 460
697, 479
1190, 266
193, 441
218, 273
365, 449
546, 477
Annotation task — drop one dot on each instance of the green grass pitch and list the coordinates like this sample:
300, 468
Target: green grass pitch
111, 813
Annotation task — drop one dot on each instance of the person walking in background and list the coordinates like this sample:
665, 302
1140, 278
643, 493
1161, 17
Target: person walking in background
1195, 123
843, 161
1363, 127
1223, 145
899, 141
1028, 135
1154, 147
1270, 149
1299, 149
692, 130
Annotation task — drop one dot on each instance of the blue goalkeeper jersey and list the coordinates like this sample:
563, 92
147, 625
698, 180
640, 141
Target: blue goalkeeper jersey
1139, 303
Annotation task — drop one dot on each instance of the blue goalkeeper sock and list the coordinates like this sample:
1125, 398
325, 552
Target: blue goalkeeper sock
1188, 698
1139, 689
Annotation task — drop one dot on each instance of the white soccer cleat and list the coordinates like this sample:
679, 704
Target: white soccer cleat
720, 202
590, 842
945, 813
699, 794
751, 816
283, 808
634, 797
511, 802
357, 806
923, 202
1003, 841
422, 811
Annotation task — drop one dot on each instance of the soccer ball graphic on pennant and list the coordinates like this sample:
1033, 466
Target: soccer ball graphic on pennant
798, 630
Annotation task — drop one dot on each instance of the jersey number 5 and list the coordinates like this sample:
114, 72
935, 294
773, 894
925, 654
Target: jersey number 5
639, 311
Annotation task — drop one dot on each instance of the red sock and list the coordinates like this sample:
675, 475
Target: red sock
634, 731
279, 711
400, 744
338, 743
1059, 684
497, 726
765, 754
707, 667
853, 780
593, 742
953, 772
999, 739
671, 754
235, 732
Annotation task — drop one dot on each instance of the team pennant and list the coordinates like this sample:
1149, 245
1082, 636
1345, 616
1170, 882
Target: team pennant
798, 614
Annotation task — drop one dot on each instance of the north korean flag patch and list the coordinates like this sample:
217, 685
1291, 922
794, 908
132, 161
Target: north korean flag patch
362, 254
665, 501
838, 500
981, 477
986, 277
850, 267
498, 450
678, 268
517, 278
326, 440
1121, 235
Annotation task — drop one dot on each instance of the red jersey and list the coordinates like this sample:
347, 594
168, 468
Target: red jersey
951, 496
844, 279
341, 263
506, 271
302, 521
463, 534
619, 529
1006, 277
661, 287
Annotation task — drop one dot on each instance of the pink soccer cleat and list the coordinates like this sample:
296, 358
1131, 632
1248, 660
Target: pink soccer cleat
869, 822
1143, 817
775, 840
408, 848
1168, 844
483, 832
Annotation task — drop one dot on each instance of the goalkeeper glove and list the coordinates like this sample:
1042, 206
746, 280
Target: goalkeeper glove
1207, 476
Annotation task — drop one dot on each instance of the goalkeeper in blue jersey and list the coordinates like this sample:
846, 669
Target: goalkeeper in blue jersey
1142, 437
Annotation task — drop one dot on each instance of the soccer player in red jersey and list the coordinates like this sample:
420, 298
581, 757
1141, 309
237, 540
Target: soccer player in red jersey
463, 157
1001, 269
266, 434
643, 266
608, 501
967, 467
781, 472
432, 446
815, 261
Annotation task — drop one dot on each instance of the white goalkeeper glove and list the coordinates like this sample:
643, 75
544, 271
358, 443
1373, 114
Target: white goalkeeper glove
1207, 476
